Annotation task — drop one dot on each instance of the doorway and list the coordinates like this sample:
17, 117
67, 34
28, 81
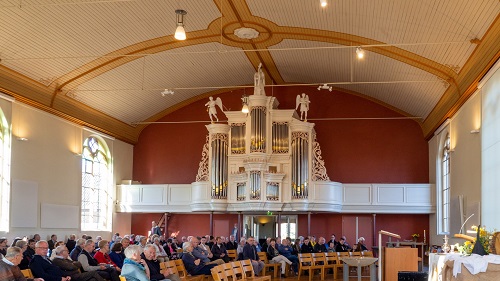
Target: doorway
263, 226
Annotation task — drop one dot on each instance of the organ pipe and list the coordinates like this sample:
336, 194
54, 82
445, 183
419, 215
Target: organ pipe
219, 175
300, 165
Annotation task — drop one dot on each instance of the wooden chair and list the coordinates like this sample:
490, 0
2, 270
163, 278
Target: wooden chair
320, 259
218, 273
333, 261
355, 254
267, 264
27, 273
232, 255
367, 254
183, 274
249, 274
306, 263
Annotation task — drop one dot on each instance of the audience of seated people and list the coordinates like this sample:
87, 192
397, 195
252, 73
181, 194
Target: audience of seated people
200, 255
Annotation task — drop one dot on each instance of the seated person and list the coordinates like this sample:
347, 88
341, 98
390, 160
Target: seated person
116, 254
149, 255
102, 256
194, 266
320, 247
202, 254
239, 249
306, 246
72, 268
287, 251
219, 250
250, 253
25, 262
161, 255
134, 268
78, 248
275, 257
171, 249
42, 267
13, 257
342, 247
361, 247
91, 264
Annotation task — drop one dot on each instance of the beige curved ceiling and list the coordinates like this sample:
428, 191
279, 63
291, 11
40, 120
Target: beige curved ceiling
103, 63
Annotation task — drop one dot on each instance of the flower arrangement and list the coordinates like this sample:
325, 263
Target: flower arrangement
415, 235
484, 238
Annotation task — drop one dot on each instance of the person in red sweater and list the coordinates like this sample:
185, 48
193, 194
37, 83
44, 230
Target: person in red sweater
102, 255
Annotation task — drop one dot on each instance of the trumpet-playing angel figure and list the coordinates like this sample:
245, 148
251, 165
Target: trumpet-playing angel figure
212, 110
304, 105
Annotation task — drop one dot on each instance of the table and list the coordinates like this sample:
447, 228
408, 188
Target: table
359, 262
436, 264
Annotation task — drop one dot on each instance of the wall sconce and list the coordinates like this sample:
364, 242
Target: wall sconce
21, 139
245, 108
476, 131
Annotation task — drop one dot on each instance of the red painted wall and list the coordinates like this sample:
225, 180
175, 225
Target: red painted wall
186, 224
355, 151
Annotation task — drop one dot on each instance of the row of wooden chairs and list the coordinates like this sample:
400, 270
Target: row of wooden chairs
323, 262
177, 267
237, 270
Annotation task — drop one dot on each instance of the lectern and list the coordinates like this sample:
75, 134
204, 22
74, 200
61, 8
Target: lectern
399, 259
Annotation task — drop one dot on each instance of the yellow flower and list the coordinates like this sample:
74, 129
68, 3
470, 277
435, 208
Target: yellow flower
467, 243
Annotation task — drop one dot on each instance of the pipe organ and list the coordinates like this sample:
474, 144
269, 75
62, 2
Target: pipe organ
245, 172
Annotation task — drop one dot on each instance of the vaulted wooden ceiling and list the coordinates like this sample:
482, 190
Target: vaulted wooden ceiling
104, 63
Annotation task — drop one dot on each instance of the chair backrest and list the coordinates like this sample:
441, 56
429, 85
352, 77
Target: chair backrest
331, 258
355, 254
169, 265
263, 257
27, 273
238, 272
178, 250
319, 258
181, 270
231, 254
247, 268
305, 258
218, 273
367, 254
228, 271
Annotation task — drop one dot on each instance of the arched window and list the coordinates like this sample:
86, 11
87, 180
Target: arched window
96, 185
4, 173
445, 185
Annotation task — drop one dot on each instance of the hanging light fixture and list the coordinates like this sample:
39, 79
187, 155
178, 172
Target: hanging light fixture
180, 33
360, 53
245, 108
323, 3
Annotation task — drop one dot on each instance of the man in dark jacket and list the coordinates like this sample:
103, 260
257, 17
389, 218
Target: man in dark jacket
42, 267
320, 247
149, 255
219, 250
250, 253
71, 243
231, 244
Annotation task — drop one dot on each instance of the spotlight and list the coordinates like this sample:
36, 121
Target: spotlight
323, 3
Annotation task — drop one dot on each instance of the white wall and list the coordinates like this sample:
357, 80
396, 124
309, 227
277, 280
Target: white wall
47, 163
465, 178
491, 148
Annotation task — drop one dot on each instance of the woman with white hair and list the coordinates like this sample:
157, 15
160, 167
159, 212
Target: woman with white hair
361, 247
193, 265
134, 267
